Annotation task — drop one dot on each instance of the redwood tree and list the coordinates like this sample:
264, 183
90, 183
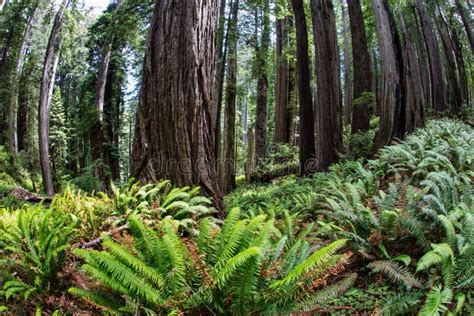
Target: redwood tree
306, 125
438, 99
173, 126
392, 116
328, 105
282, 133
262, 85
363, 75
228, 174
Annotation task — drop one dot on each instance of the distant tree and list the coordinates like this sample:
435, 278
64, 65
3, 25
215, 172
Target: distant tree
47, 83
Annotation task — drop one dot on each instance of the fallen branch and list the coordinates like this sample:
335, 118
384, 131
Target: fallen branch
24, 195
94, 243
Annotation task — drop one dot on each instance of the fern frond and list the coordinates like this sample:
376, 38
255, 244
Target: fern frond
395, 272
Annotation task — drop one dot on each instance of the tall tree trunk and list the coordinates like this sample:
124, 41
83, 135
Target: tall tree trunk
250, 156
466, 21
24, 107
173, 133
221, 57
306, 129
97, 132
454, 89
47, 82
414, 114
347, 67
436, 70
328, 106
461, 67
422, 55
292, 86
392, 116
228, 182
262, 87
363, 75
281, 134
10, 70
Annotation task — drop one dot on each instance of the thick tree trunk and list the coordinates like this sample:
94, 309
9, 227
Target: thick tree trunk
347, 67
262, 87
363, 75
306, 129
281, 134
438, 100
173, 133
466, 21
415, 114
47, 83
228, 181
328, 106
392, 116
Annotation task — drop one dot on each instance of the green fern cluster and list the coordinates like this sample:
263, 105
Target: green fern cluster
245, 266
32, 247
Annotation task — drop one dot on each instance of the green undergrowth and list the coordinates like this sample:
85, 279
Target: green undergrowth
391, 236
408, 215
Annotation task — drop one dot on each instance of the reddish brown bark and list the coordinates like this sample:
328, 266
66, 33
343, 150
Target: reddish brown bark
392, 116
363, 75
229, 163
281, 134
328, 105
173, 133
306, 124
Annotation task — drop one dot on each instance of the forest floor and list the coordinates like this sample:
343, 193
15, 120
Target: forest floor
393, 235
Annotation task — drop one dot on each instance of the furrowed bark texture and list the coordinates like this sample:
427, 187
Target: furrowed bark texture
173, 134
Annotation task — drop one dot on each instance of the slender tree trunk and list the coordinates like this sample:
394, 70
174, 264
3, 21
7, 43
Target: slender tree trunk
97, 132
466, 19
228, 183
454, 90
347, 67
436, 70
250, 156
281, 134
306, 129
47, 82
423, 59
24, 97
461, 67
10, 69
392, 116
328, 105
292, 86
415, 114
262, 87
173, 133
221, 57
363, 74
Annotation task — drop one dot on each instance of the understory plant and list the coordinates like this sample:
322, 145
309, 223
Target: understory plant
245, 266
